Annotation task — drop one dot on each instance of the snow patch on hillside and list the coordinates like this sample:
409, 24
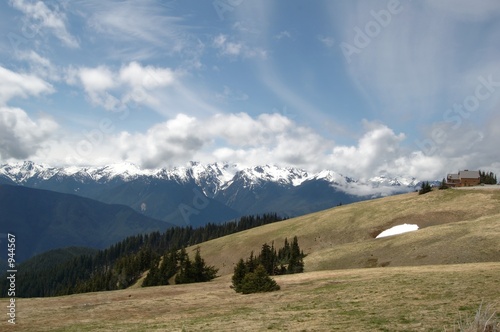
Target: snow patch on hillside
399, 229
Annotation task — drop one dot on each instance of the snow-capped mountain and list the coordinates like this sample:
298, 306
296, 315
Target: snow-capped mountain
199, 193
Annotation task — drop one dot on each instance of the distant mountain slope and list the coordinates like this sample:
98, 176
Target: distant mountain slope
202, 193
43, 220
456, 226
54, 257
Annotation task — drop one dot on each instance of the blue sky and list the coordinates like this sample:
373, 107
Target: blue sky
364, 88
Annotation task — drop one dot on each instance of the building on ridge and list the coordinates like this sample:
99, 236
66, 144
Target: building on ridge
464, 178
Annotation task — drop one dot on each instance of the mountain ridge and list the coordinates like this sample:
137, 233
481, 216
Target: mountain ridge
222, 173
199, 193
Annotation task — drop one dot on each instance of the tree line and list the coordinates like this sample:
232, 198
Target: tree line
123, 263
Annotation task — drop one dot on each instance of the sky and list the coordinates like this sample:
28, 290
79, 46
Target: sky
364, 88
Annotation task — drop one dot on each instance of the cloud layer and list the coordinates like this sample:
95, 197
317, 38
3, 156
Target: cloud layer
366, 88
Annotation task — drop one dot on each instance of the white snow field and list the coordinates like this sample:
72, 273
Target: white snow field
399, 229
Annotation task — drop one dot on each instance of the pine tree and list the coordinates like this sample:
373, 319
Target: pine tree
258, 281
296, 264
240, 270
251, 263
153, 277
426, 187
197, 271
443, 185
168, 267
267, 258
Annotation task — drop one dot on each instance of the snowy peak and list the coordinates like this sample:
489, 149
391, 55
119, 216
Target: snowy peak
399, 181
283, 176
22, 172
211, 178
332, 177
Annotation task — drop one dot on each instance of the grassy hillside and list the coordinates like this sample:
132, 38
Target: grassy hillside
455, 227
338, 291
428, 298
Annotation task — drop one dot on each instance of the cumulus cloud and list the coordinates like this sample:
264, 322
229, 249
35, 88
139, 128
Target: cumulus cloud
168, 143
248, 141
376, 149
14, 84
20, 136
43, 17
113, 89
266, 139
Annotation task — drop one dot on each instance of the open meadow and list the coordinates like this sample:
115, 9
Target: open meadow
426, 280
425, 298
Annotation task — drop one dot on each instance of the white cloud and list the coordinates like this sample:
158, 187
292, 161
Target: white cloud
113, 89
375, 152
14, 84
248, 141
20, 136
42, 17
266, 139
97, 79
236, 48
97, 83
169, 143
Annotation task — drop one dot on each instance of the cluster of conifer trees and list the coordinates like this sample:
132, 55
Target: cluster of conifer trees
253, 275
120, 265
488, 178
426, 187
178, 264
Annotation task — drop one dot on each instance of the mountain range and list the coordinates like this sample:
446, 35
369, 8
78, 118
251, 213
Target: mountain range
200, 193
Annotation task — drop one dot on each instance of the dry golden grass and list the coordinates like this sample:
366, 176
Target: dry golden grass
457, 248
427, 298
456, 227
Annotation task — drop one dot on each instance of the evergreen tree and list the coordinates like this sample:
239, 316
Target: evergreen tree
443, 185
153, 277
488, 178
197, 271
240, 270
295, 264
168, 267
257, 282
251, 263
268, 258
426, 187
